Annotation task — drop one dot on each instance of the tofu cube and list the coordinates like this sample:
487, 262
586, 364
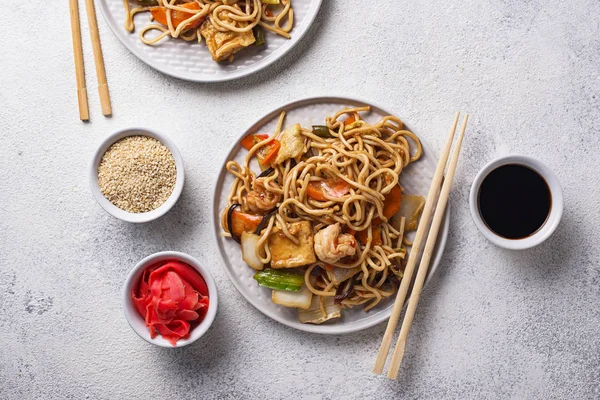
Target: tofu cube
286, 254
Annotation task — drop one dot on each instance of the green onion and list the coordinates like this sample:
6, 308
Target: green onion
321, 131
270, 1
279, 280
259, 34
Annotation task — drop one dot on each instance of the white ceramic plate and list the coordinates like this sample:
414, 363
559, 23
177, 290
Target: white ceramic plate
416, 179
192, 61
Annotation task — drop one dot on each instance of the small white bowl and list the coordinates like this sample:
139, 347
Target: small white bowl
555, 211
136, 321
116, 211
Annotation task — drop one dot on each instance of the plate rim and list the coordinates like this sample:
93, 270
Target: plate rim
313, 11
333, 329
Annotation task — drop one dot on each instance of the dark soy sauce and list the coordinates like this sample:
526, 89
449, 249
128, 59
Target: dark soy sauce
514, 201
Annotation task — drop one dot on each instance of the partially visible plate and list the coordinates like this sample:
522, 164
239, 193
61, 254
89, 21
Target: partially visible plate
192, 61
416, 179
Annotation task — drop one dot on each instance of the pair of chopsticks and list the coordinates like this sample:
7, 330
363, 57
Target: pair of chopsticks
98, 59
430, 205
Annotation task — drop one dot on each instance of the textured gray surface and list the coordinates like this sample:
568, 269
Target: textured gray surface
493, 323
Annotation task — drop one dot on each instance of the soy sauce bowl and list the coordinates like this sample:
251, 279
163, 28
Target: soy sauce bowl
554, 216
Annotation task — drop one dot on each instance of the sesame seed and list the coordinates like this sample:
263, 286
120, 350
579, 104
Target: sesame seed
137, 174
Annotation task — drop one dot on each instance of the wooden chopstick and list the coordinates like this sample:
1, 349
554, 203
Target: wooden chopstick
417, 246
98, 59
426, 258
84, 114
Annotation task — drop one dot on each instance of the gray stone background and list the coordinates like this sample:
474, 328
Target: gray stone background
492, 324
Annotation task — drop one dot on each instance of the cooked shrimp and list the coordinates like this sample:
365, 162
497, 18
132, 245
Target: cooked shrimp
330, 246
260, 200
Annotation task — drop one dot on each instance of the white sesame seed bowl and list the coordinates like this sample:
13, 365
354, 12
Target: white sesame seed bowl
146, 215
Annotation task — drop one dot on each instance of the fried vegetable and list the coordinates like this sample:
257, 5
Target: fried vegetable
313, 314
391, 204
266, 172
259, 35
267, 154
338, 275
324, 132
321, 131
363, 236
270, 1
300, 299
287, 254
334, 188
249, 141
230, 221
411, 208
177, 17
292, 144
147, 3
249, 243
344, 291
398, 269
265, 221
279, 280
354, 124
238, 222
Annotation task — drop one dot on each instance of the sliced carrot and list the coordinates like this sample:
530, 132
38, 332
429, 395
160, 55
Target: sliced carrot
242, 222
270, 153
363, 236
391, 204
349, 120
315, 191
249, 141
334, 188
177, 17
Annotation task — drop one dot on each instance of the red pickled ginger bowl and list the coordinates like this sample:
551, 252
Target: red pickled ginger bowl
137, 321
